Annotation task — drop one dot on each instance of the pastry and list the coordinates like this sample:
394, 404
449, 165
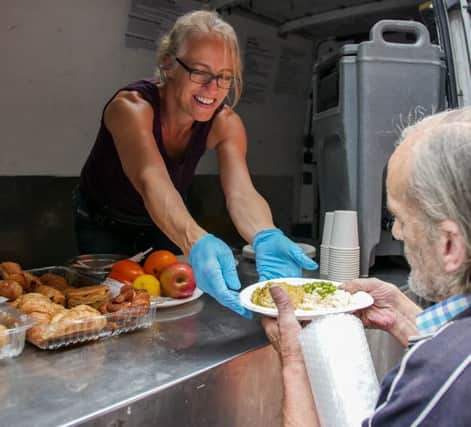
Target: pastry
136, 302
55, 281
54, 295
8, 267
10, 289
79, 319
35, 302
90, 295
25, 279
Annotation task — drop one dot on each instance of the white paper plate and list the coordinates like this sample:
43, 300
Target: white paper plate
163, 302
177, 313
249, 253
360, 300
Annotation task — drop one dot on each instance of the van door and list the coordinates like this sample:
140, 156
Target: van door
454, 25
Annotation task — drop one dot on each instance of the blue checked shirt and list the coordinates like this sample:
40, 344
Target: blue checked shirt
431, 319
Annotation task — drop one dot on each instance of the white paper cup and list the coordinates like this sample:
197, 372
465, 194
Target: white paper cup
324, 262
345, 230
327, 232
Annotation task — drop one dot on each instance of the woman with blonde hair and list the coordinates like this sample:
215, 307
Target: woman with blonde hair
152, 135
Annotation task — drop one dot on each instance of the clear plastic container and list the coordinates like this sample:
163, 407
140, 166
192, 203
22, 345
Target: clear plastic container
14, 325
89, 329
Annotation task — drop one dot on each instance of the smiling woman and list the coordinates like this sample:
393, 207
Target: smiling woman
152, 135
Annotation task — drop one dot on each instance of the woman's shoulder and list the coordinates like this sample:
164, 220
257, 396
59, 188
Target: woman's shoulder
138, 92
128, 105
227, 125
227, 116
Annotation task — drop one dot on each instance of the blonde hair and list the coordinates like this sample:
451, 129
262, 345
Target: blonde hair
200, 21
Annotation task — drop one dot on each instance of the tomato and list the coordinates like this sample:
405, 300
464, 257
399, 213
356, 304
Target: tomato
125, 271
157, 261
148, 282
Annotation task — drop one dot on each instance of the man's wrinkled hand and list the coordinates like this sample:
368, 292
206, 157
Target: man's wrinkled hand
383, 313
284, 331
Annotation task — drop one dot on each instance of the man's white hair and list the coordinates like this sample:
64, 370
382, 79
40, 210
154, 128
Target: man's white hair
440, 179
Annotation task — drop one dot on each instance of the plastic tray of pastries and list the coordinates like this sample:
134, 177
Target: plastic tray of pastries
80, 326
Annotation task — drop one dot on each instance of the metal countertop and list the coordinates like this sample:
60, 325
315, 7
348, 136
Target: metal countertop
75, 384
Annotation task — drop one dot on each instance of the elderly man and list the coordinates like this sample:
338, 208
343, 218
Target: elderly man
429, 194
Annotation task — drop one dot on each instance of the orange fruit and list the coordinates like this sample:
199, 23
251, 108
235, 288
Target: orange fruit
157, 261
125, 271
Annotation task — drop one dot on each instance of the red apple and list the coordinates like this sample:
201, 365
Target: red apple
177, 280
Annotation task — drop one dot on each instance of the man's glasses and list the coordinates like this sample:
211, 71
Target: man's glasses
224, 80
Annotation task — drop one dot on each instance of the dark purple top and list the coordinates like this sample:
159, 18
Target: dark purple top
103, 179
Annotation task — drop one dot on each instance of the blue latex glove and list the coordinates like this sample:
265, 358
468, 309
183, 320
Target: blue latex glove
277, 256
215, 272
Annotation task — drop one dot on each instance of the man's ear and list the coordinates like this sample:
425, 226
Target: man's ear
452, 246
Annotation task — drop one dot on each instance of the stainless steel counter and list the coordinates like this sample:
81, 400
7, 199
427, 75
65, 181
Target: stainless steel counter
199, 365
185, 370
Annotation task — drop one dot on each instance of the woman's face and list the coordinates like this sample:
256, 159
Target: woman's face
203, 52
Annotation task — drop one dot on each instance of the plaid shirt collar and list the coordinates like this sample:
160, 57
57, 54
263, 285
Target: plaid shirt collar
431, 319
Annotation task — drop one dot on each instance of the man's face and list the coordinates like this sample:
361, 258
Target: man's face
427, 277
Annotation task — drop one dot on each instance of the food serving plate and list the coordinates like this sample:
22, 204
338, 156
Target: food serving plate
165, 302
359, 300
117, 323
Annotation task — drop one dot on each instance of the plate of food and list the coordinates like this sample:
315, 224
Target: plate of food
163, 302
310, 297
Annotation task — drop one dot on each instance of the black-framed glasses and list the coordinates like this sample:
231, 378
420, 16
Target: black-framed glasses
224, 80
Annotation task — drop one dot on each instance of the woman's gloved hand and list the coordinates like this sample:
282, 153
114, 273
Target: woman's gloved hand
277, 256
215, 272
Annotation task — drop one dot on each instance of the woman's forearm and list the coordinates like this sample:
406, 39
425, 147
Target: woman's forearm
167, 209
249, 212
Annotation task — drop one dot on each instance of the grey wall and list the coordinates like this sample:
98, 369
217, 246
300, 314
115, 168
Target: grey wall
61, 60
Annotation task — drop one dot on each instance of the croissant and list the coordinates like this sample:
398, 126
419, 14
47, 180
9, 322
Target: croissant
53, 294
35, 302
8, 267
81, 318
25, 279
55, 281
10, 289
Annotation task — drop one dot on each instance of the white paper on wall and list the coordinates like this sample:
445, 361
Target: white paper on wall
260, 55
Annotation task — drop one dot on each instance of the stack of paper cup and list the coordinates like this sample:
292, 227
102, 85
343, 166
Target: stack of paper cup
325, 245
344, 249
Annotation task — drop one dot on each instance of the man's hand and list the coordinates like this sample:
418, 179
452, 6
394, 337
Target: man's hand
277, 256
383, 313
215, 272
391, 311
284, 332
